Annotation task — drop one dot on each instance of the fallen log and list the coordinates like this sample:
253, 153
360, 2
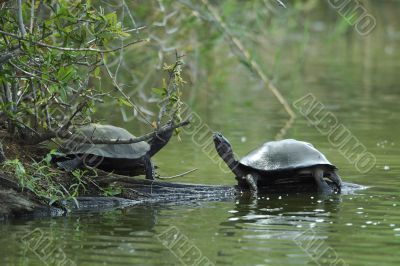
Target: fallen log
16, 202
160, 191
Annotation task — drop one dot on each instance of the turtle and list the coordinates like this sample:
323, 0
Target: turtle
281, 162
124, 159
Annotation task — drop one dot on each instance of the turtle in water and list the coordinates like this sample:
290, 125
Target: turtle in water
125, 159
279, 163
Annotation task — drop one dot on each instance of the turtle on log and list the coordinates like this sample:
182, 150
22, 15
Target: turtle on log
280, 163
124, 159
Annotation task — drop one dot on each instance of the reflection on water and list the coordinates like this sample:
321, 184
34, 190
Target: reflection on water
357, 80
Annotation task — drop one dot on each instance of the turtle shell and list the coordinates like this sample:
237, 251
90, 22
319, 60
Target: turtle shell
284, 155
96, 131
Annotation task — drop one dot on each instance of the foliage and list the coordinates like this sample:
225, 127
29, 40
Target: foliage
44, 181
171, 92
51, 52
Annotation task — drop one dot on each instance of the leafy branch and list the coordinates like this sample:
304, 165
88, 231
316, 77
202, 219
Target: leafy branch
170, 92
46, 70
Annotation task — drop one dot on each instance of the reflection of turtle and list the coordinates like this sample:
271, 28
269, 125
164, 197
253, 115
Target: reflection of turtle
280, 162
126, 159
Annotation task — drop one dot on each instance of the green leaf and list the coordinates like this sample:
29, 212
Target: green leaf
19, 168
159, 91
53, 88
111, 19
97, 72
50, 155
123, 101
66, 74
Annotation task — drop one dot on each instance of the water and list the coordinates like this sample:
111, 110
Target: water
355, 78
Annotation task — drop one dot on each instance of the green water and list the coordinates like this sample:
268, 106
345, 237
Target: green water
356, 78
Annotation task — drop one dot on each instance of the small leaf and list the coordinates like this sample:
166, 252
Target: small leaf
97, 72
111, 19
123, 101
159, 91
65, 74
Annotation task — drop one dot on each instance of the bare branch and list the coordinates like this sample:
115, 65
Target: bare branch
40, 137
281, 3
31, 74
20, 19
245, 53
36, 113
70, 48
68, 124
32, 16
5, 58
178, 175
122, 92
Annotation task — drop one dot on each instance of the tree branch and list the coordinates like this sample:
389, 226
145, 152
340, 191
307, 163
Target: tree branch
20, 19
114, 80
70, 48
68, 124
246, 55
40, 137
32, 16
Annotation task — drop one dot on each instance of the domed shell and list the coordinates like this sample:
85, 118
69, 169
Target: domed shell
284, 155
96, 131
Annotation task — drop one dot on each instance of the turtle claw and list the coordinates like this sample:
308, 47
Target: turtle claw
323, 187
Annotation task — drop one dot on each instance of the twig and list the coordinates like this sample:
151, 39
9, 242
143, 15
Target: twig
34, 103
14, 96
6, 99
281, 3
31, 74
4, 58
135, 29
123, 93
20, 18
178, 175
32, 16
48, 119
130, 15
132, 140
77, 111
171, 83
253, 64
70, 48
48, 135
284, 129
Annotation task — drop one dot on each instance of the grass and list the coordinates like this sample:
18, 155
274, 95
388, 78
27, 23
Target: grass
49, 184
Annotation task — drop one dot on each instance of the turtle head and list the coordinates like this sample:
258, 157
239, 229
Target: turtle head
222, 145
161, 138
224, 149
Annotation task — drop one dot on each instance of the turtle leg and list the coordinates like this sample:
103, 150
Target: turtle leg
149, 168
323, 187
251, 180
337, 180
70, 165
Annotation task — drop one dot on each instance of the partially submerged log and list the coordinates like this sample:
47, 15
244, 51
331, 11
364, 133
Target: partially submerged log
14, 204
159, 191
18, 202
98, 204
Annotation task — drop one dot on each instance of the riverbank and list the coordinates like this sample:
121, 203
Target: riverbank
30, 185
